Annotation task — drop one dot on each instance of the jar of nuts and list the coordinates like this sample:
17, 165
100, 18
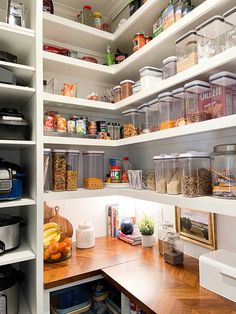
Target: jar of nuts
93, 169
195, 174
130, 122
160, 174
72, 165
59, 170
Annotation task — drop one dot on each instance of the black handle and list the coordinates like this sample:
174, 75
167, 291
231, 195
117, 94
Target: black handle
2, 247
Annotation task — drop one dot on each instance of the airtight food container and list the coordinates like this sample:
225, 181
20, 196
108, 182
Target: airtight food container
130, 122
126, 88
198, 101
136, 88
155, 115
172, 174
93, 170
230, 20
72, 170
47, 169
149, 76
166, 108
223, 94
179, 106
160, 174
169, 67
145, 119
117, 93
59, 170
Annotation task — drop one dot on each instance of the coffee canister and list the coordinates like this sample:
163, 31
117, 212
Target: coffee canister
85, 237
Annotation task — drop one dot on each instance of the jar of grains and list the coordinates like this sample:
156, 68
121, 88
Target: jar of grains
160, 174
72, 165
59, 170
93, 169
172, 174
130, 122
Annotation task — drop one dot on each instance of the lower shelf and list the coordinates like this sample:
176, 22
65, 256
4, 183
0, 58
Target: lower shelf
23, 306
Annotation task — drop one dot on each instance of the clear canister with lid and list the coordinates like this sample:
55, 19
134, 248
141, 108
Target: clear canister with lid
195, 174
145, 119
169, 67
179, 106
160, 174
116, 93
72, 169
47, 169
198, 101
93, 170
150, 76
223, 94
87, 15
165, 228
172, 174
130, 122
230, 20
59, 170
136, 88
126, 88
186, 51
154, 111
166, 108
224, 171
173, 249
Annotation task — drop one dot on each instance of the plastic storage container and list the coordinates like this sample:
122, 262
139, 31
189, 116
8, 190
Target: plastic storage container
117, 93
173, 249
169, 67
136, 88
47, 169
223, 94
149, 182
166, 108
59, 170
150, 76
145, 119
196, 174
186, 51
230, 20
166, 227
224, 171
72, 168
154, 111
160, 174
130, 122
179, 106
172, 174
198, 101
126, 88
211, 37
93, 169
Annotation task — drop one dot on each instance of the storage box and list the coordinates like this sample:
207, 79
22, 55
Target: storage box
218, 273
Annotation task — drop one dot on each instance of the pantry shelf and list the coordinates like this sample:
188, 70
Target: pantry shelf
23, 306
15, 94
12, 144
17, 203
72, 141
21, 71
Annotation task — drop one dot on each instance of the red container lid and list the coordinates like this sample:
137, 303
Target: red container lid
126, 158
115, 168
88, 7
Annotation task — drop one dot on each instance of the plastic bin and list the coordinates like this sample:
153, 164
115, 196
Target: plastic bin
172, 174
160, 174
230, 20
72, 168
154, 111
145, 119
93, 169
130, 122
169, 67
150, 76
179, 106
59, 170
167, 119
47, 169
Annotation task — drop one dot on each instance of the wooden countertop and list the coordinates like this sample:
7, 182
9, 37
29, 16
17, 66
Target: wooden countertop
143, 276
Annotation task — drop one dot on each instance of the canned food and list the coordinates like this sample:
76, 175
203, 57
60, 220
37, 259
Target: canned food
147, 39
80, 126
138, 41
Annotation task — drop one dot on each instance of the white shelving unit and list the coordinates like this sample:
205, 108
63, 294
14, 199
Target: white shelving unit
18, 203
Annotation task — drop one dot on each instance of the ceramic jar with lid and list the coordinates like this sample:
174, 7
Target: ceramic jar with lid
85, 237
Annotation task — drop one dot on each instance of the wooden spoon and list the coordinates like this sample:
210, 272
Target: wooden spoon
66, 226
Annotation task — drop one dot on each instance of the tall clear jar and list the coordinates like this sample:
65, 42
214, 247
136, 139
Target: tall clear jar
47, 169
230, 20
195, 174
166, 227
160, 174
93, 169
59, 170
169, 67
145, 117
179, 106
223, 94
172, 174
198, 101
72, 169
130, 122
87, 18
224, 171
166, 108
155, 115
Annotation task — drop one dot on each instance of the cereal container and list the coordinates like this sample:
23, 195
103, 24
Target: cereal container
224, 171
198, 101
72, 166
172, 174
230, 20
186, 51
195, 174
149, 76
130, 122
179, 106
93, 169
160, 174
126, 88
169, 67
145, 119
154, 111
47, 169
59, 170
166, 107
223, 94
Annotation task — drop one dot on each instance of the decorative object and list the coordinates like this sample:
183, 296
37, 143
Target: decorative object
146, 228
85, 237
197, 227
127, 226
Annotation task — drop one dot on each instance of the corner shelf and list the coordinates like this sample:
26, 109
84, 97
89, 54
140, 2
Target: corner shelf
12, 144
15, 93
73, 141
17, 203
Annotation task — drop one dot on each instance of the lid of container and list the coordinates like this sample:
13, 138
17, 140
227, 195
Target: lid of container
193, 154
126, 158
7, 220
170, 59
171, 156
158, 157
213, 27
126, 81
167, 95
93, 152
130, 111
191, 33
88, 7
72, 151
97, 14
178, 92
227, 148
143, 106
153, 102
197, 86
47, 150
59, 151
229, 16
116, 87
8, 277
149, 68
84, 226
223, 78
137, 84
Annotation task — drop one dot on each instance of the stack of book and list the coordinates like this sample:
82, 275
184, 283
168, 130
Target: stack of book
133, 239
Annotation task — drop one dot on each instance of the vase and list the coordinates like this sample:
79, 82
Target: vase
147, 240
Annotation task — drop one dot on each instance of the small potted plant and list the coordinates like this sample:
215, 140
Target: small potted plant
146, 228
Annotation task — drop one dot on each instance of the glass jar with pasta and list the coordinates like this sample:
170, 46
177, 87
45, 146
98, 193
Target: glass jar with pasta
59, 170
72, 166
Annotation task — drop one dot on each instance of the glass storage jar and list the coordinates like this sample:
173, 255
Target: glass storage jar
160, 174
144, 119
230, 20
169, 67
93, 169
198, 101
117, 93
179, 106
186, 51
195, 174
87, 15
72, 168
126, 88
47, 169
173, 249
223, 94
150, 76
166, 108
224, 171
162, 233
211, 38
154, 111
148, 178
130, 122
59, 170
172, 174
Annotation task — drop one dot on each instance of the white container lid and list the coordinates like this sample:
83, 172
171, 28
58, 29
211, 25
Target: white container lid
178, 92
230, 16
170, 59
85, 226
152, 71
158, 157
171, 156
185, 36
116, 87
59, 151
126, 81
47, 150
167, 96
72, 151
197, 86
93, 152
154, 105
223, 78
193, 154
214, 27
143, 107
130, 111
137, 84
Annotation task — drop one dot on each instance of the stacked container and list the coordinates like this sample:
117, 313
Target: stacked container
167, 118
47, 169
117, 93
145, 119
59, 170
93, 169
72, 166
169, 67
160, 174
172, 174
230, 20
126, 88
149, 76
130, 122
179, 106
154, 112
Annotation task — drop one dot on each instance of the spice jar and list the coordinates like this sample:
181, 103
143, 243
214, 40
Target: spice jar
172, 174
179, 106
93, 169
173, 249
195, 174
198, 101
150, 76
59, 170
71, 126
126, 88
224, 171
166, 227
154, 111
160, 174
223, 91
117, 93
47, 169
230, 20
85, 237
169, 67
166, 108
97, 20
186, 51
145, 117
72, 166
130, 122
138, 41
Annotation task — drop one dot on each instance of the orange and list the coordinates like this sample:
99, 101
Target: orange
62, 247
55, 257
53, 247
46, 254
67, 242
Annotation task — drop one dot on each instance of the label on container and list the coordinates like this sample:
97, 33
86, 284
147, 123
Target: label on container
221, 102
71, 126
115, 176
80, 127
97, 22
204, 102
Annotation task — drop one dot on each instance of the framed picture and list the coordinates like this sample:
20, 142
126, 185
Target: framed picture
196, 226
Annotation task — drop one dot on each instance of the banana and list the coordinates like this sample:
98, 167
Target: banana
50, 225
50, 231
51, 237
57, 238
